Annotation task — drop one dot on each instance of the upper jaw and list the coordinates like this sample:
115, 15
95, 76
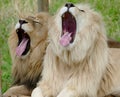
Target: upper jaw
65, 9
23, 27
68, 7
21, 32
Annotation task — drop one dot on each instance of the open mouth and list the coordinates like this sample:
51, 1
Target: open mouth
68, 29
23, 42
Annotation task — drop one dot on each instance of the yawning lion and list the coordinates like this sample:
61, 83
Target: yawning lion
78, 62
27, 45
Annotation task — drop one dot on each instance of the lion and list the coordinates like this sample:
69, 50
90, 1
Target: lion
27, 44
78, 61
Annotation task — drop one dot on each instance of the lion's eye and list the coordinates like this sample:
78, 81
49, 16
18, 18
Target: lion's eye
81, 10
37, 22
34, 20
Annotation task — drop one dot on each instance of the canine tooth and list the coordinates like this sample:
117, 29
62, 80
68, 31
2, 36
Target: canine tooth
63, 16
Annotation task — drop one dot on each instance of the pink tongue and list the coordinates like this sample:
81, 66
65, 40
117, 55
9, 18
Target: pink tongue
21, 48
65, 39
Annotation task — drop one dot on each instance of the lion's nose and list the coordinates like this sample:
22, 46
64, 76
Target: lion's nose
22, 22
69, 5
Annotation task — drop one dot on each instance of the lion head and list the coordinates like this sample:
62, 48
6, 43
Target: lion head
76, 32
29, 31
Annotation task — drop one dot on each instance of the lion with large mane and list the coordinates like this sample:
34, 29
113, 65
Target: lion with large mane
78, 62
27, 45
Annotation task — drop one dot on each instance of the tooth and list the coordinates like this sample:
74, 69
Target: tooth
63, 16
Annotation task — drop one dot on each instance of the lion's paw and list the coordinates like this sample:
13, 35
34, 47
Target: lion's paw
9, 96
38, 92
67, 93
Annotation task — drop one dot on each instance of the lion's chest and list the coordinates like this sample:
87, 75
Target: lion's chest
61, 77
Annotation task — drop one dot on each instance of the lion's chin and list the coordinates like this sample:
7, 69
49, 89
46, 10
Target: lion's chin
68, 29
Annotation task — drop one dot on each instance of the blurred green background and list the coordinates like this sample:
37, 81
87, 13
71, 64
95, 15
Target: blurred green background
8, 17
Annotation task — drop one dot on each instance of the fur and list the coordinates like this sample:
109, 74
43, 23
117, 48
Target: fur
110, 83
26, 69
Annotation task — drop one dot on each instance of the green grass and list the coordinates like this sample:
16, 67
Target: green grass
108, 8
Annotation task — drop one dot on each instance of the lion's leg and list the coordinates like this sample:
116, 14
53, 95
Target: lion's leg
17, 90
43, 90
23, 96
